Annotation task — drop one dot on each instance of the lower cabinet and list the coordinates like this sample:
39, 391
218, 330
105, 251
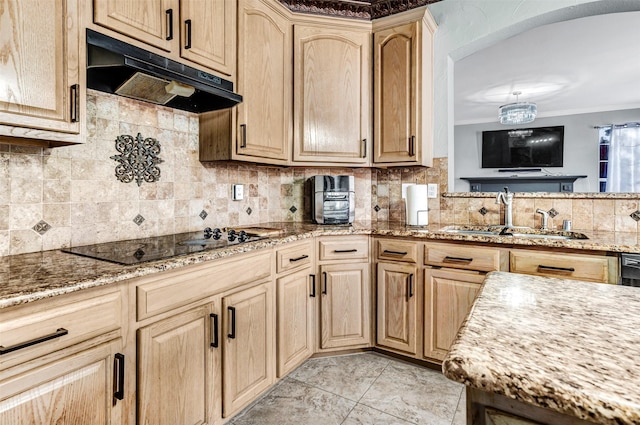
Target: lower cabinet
344, 305
179, 368
397, 323
448, 297
249, 355
81, 388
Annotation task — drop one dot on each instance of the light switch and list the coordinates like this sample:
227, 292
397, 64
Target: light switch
238, 192
432, 190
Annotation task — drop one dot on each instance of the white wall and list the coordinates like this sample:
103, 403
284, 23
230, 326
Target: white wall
580, 147
466, 26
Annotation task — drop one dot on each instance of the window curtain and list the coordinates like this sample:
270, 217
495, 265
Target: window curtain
624, 159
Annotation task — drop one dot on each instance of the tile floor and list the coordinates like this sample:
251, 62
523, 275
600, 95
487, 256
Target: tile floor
365, 388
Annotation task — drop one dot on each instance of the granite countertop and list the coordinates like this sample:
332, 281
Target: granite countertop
29, 277
554, 343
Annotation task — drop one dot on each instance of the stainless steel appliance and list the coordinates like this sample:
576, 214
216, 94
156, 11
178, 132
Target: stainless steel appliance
333, 200
630, 269
136, 251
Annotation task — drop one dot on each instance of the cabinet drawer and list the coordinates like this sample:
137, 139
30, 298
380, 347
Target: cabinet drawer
292, 257
587, 267
169, 290
464, 257
344, 248
395, 250
45, 326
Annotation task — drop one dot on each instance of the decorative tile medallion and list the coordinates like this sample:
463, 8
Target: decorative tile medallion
377, 208
483, 210
138, 159
41, 227
635, 215
293, 208
552, 212
203, 214
249, 210
138, 219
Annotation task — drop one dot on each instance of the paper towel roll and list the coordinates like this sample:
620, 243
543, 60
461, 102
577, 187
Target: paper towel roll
417, 205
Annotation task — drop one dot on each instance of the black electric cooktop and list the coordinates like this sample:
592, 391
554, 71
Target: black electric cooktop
137, 251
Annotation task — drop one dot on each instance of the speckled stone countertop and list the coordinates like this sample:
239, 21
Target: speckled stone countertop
565, 345
29, 277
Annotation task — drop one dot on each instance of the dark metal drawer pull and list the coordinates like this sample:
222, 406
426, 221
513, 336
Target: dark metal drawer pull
449, 259
292, 260
342, 251
75, 103
214, 330
364, 148
118, 377
57, 334
232, 334
324, 277
386, 251
169, 13
411, 285
313, 285
187, 28
243, 131
412, 146
557, 269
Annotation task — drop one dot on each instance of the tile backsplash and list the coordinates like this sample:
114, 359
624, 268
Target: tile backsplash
70, 196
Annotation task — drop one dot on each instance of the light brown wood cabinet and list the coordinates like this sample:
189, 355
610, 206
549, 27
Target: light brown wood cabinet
249, 354
179, 368
332, 91
44, 94
398, 320
296, 292
200, 31
403, 90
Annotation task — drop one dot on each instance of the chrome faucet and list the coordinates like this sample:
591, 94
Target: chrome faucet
545, 219
506, 198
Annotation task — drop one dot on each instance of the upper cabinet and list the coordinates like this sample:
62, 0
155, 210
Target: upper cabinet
43, 92
200, 31
332, 69
403, 91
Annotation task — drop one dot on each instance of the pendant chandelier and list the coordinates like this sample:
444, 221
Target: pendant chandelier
518, 112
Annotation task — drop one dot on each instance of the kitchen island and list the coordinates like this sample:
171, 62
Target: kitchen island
549, 350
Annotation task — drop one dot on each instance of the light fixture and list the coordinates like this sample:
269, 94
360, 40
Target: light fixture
518, 112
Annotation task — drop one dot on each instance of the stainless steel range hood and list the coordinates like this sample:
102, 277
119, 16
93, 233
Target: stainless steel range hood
120, 68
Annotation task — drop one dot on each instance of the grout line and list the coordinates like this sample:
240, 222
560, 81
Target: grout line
458, 404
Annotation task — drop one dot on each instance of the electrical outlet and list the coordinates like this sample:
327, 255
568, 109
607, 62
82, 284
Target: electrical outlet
432, 190
238, 192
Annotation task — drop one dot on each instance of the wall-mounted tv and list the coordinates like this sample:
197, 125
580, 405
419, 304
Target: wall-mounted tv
523, 147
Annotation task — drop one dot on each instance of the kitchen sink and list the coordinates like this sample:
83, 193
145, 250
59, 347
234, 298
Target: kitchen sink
517, 232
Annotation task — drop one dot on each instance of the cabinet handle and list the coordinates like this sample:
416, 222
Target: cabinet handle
557, 269
232, 334
364, 148
412, 145
214, 330
57, 334
169, 13
187, 29
243, 140
449, 259
302, 257
75, 103
118, 377
343, 251
313, 285
411, 285
386, 251
324, 279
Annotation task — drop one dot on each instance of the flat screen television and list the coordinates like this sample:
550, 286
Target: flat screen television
523, 147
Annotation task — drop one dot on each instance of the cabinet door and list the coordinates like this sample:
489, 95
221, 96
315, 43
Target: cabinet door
395, 95
39, 70
264, 116
249, 350
448, 297
179, 369
345, 305
208, 33
78, 389
331, 95
295, 294
151, 21
397, 313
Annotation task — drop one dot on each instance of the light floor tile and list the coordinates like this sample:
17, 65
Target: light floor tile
460, 418
364, 415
